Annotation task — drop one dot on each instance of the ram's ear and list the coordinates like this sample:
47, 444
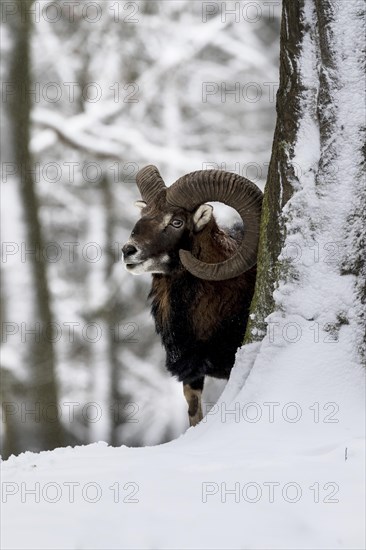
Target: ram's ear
140, 204
202, 216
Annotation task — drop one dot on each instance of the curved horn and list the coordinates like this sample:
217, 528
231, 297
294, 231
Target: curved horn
150, 183
192, 190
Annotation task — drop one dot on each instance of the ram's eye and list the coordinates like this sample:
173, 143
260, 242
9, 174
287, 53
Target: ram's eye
176, 223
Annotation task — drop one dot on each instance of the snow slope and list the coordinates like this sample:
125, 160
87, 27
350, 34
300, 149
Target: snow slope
277, 464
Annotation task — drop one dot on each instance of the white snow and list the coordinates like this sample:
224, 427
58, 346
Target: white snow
231, 482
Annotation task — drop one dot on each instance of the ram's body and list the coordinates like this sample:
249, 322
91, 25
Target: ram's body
203, 276
202, 323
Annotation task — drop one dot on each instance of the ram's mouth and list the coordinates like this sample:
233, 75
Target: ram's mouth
129, 267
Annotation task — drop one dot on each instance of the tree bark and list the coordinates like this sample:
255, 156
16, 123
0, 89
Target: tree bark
44, 395
279, 187
321, 30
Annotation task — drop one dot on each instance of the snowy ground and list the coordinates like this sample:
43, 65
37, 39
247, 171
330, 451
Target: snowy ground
285, 471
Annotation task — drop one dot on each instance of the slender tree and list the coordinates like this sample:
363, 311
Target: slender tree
43, 398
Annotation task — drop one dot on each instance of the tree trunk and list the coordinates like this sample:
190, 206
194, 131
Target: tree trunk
318, 88
279, 186
43, 396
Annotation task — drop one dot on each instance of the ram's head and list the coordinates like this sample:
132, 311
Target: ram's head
172, 217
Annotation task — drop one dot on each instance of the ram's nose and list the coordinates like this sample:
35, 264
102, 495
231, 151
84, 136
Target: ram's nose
128, 250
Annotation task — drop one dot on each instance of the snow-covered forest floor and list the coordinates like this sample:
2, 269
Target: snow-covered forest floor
285, 471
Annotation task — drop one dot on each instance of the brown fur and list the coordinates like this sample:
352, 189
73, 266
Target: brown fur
214, 300
193, 398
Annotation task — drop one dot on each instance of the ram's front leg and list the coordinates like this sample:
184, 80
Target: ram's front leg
193, 394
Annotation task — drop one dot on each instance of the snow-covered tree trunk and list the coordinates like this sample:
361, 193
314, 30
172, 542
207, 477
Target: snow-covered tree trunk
311, 261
